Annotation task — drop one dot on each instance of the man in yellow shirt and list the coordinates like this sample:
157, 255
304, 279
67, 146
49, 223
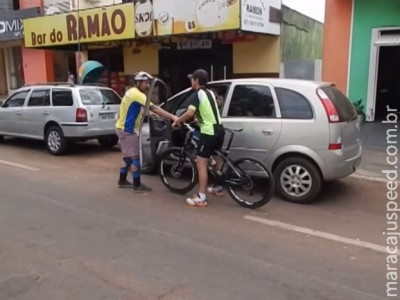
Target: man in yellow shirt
128, 126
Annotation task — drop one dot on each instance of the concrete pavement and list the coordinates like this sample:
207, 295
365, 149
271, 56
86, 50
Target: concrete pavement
67, 232
375, 144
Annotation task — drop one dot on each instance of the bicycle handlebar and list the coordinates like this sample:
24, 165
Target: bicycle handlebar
190, 128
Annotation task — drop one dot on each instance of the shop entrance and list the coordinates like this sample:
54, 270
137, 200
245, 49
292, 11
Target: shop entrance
388, 88
176, 64
113, 61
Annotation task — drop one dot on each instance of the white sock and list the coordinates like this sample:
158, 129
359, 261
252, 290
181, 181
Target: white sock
202, 196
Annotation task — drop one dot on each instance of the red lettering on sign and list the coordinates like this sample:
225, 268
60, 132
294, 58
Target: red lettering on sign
90, 26
82, 31
118, 13
93, 26
72, 33
105, 27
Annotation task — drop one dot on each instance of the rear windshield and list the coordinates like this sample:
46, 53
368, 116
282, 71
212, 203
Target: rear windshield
99, 97
344, 107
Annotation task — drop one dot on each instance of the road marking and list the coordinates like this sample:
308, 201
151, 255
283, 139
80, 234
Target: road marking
371, 178
320, 234
15, 165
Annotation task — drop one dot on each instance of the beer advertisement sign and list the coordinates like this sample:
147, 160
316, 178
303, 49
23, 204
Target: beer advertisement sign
255, 16
144, 19
195, 16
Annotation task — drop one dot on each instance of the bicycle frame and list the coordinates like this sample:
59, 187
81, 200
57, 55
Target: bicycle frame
236, 175
222, 154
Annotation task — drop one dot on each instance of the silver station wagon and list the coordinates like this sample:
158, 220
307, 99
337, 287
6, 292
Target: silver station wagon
61, 113
306, 132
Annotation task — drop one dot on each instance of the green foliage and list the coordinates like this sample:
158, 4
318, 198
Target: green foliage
359, 106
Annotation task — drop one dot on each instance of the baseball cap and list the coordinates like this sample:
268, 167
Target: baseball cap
199, 74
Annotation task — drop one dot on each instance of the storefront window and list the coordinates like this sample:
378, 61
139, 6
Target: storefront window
6, 5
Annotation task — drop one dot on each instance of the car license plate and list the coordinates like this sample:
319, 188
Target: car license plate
108, 116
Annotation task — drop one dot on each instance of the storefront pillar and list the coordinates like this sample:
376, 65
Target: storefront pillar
38, 64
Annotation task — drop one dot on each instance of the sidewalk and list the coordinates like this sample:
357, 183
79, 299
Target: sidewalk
373, 137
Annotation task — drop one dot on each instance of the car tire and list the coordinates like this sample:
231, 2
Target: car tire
1, 138
55, 141
108, 141
298, 180
149, 169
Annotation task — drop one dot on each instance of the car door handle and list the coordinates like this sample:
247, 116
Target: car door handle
268, 131
18, 113
46, 113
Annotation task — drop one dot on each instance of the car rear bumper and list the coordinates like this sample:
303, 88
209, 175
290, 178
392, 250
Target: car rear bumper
85, 130
337, 166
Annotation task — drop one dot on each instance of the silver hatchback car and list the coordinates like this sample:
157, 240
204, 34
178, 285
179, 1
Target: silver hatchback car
60, 113
306, 132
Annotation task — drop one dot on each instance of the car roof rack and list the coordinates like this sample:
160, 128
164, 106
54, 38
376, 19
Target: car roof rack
95, 84
49, 83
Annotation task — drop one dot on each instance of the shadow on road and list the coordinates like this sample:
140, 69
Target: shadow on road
336, 191
77, 148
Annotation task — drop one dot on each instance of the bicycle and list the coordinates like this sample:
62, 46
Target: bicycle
243, 177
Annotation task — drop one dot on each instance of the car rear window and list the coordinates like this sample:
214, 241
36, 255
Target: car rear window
342, 104
293, 105
99, 97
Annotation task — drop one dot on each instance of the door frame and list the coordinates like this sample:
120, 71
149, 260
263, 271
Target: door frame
373, 70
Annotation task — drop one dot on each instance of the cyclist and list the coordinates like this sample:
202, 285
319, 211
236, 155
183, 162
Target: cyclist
127, 128
203, 104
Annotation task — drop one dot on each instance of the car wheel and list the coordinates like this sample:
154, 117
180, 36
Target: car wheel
297, 180
108, 141
1, 138
56, 143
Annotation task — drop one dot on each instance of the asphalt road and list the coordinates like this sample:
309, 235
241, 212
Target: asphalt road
67, 232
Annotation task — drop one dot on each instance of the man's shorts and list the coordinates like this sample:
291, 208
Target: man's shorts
210, 143
129, 143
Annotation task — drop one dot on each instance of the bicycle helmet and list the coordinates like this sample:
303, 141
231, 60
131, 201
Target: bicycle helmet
142, 76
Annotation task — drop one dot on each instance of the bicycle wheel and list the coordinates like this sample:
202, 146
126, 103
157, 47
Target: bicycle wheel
178, 170
257, 185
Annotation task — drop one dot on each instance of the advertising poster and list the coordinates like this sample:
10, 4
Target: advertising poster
195, 16
144, 18
52, 7
255, 16
87, 4
11, 24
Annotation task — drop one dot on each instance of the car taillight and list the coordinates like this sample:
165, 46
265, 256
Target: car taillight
330, 109
81, 115
335, 146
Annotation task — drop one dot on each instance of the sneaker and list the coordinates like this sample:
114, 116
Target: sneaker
216, 191
124, 184
142, 189
196, 201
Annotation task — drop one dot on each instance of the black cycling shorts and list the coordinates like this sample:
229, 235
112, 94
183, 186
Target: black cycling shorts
209, 143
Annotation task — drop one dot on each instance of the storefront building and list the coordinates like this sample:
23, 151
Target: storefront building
362, 52
11, 44
229, 38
